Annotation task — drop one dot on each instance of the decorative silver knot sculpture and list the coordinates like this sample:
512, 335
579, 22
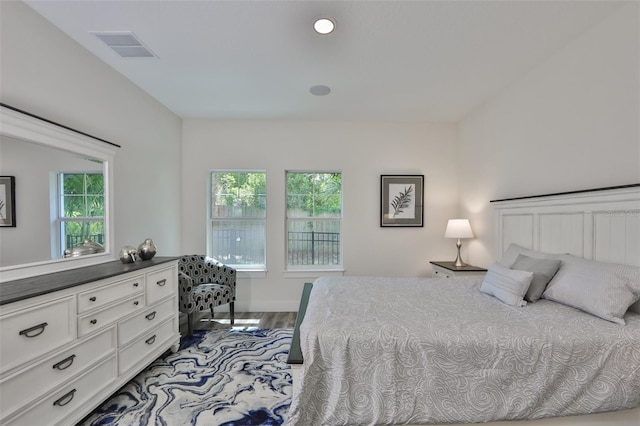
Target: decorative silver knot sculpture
128, 254
84, 248
147, 249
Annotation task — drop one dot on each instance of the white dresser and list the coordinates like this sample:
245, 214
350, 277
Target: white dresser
69, 340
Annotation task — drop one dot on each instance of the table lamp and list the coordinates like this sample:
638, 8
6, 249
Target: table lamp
458, 228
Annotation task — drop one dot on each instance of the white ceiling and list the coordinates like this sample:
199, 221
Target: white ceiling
387, 60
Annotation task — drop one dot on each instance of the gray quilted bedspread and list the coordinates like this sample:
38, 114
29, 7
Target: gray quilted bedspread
384, 351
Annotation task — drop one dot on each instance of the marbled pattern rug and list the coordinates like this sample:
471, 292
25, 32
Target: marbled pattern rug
218, 377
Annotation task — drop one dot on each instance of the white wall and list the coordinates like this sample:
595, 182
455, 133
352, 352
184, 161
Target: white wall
46, 73
571, 123
362, 152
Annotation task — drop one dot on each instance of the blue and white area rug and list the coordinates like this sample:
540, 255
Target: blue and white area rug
218, 377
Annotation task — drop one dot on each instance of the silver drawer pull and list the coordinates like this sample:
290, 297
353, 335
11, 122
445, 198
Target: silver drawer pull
34, 331
67, 398
151, 316
136, 284
64, 364
162, 282
94, 321
150, 340
92, 299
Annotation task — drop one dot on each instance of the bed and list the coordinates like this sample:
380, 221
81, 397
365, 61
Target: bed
430, 351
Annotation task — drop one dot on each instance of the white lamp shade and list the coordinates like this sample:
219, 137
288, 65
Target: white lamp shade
458, 228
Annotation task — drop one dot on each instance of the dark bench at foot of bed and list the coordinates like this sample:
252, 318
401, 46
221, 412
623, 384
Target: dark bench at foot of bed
295, 354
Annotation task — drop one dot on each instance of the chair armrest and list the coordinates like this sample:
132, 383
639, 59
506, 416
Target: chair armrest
185, 282
219, 273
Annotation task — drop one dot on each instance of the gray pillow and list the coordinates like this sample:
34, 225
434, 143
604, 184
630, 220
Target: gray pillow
543, 270
507, 285
602, 289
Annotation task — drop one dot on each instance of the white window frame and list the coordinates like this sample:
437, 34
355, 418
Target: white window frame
58, 241
243, 268
314, 268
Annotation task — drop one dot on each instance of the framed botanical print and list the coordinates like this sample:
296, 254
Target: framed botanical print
7, 201
401, 200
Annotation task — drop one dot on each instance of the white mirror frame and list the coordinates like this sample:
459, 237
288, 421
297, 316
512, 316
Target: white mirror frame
31, 129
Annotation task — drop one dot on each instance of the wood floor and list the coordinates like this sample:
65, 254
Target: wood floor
243, 320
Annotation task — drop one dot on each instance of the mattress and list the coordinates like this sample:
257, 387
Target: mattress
406, 350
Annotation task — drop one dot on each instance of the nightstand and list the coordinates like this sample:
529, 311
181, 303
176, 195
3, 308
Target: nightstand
449, 270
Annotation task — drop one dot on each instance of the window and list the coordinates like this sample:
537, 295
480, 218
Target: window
80, 209
237, 218
314, 220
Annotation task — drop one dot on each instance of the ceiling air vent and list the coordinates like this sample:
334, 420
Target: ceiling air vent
125, 44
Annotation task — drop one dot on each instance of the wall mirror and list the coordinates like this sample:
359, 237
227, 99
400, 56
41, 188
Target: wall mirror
63, 192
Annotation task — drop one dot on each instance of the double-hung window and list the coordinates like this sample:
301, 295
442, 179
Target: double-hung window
80, 209
236, 233
314, 220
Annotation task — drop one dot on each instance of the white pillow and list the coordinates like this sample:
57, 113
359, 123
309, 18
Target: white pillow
602, 289
513, 251
507, 285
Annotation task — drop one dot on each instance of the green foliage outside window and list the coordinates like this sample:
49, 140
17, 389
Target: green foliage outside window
81, 208
238, 194
314, 194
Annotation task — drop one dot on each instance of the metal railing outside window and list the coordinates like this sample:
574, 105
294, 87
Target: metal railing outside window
74, 240
314, 248
238, 246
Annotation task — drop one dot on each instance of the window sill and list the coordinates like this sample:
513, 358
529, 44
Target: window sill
252, 273
313, 273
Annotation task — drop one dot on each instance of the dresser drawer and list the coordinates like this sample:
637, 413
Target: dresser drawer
440, 272
161, 284
96, 320
45, 375
33, 332
449, 270
148, 342
102, 296
149, 318
57, 405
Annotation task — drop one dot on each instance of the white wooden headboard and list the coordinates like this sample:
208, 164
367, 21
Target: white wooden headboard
600, 224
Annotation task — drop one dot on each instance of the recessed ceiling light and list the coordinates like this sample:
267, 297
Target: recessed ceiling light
320, 90
324, 25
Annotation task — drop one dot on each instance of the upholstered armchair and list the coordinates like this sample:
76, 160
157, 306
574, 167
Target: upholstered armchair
204, 284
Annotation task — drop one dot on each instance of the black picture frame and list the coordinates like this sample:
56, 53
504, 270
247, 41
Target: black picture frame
401, 200
8, 201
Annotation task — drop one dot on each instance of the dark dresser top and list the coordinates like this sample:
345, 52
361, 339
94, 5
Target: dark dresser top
452, 267
25, 288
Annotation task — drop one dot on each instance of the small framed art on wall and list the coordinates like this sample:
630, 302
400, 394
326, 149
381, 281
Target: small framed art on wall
8, 201
401, 200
